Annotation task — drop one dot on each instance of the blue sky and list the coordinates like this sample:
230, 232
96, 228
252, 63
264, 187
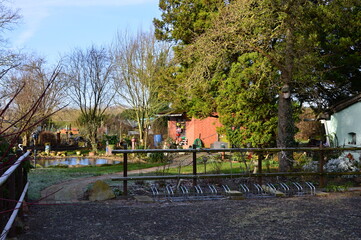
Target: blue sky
51, 28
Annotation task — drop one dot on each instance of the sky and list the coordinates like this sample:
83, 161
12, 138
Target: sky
52, 28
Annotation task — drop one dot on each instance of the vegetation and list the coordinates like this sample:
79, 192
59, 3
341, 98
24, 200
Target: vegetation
281, 52
253, 63
89, 74
216, 165
331, 187
247, 103
8, 58
139, 63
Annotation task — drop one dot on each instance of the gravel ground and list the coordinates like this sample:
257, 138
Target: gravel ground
337, 216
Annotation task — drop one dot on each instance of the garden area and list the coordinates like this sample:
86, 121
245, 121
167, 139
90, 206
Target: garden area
214, 168
302, 211
300, 216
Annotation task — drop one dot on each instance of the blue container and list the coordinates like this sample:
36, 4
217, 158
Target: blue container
157, 139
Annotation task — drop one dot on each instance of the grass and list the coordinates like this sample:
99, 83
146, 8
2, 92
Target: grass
213, 167
40, 178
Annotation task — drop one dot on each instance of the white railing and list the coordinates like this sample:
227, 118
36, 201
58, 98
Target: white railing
21, 185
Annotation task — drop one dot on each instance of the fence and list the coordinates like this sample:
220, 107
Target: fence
319, 153
13, 188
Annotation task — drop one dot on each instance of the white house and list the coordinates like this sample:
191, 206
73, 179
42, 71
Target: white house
343, 123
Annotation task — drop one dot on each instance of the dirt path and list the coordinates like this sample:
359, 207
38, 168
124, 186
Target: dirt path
335, 217
73, 190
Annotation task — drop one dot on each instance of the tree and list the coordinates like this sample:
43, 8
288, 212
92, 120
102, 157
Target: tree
338, 32
37, 84
182, 22
285, 34
246, 103
89, 74
8, 59
139, 63
185, 20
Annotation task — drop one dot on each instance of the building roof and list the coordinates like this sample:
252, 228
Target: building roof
345, 104
339, 107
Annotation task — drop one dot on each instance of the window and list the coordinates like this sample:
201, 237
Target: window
352, 138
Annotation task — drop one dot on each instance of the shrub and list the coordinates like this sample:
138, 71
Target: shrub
157, 157
112, 139
217, 162
340, 164
47, 137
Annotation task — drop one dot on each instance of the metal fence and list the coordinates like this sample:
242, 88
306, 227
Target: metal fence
319, 154
13, 188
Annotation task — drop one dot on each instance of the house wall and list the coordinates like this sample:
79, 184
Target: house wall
206, 129
343, 124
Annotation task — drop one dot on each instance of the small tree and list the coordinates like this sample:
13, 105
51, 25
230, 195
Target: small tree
89, 74
139, 62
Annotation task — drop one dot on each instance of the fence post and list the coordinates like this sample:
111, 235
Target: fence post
2, 202
125, 171
194, 165
260, 159
321, 164
12, 198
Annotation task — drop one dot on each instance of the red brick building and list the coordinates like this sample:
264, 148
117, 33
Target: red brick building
185, 130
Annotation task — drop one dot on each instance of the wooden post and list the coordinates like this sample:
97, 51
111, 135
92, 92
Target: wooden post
260, 158
321, 164
194, 166
125, 172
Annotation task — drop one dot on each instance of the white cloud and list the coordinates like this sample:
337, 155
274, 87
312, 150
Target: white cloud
32, 18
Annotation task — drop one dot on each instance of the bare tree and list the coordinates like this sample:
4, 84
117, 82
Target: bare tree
35, 81
8, 59
139, 63
89, 73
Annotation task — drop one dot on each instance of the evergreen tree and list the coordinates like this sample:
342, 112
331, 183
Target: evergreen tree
247, 104
310, 51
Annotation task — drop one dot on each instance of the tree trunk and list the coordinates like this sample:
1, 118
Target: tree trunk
286, 132
26, 139
93, 141
286, 127
94, 145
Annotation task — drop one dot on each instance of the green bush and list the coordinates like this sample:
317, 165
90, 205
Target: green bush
111, 139
156, 157
337, 187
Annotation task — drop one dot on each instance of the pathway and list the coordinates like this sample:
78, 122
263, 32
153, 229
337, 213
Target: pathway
73, 190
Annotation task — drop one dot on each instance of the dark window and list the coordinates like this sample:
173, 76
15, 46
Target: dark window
352, 138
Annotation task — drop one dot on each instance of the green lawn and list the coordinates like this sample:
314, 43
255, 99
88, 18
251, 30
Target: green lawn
217, 167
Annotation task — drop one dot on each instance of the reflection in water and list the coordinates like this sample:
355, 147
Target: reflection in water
72, 161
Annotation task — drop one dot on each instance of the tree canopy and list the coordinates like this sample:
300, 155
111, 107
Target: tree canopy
265, 55
185, 20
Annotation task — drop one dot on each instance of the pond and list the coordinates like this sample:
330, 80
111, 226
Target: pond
76, 161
